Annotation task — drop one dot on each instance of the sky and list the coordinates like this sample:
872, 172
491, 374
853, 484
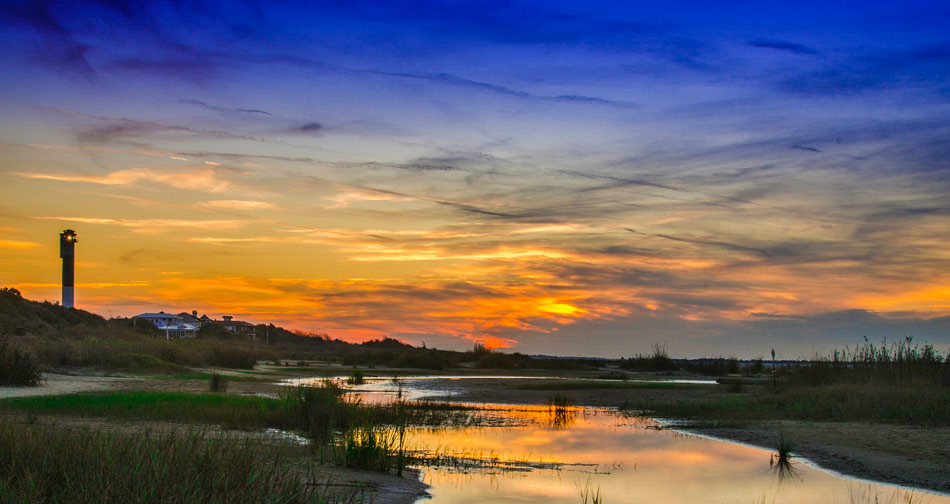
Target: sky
569, 178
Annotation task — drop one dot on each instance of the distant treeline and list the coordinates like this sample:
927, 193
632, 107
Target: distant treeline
55, 336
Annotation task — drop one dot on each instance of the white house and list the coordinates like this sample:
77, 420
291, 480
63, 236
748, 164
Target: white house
171, 325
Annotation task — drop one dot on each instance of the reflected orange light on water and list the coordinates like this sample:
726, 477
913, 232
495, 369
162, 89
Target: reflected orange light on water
533, 459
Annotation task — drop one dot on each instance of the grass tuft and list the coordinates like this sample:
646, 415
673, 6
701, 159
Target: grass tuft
589, 494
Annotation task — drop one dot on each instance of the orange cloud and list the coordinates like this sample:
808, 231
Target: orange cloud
152, 225
16, 244
237, 205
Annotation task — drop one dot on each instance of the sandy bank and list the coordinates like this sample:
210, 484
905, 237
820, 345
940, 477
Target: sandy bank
55, 383
899, 454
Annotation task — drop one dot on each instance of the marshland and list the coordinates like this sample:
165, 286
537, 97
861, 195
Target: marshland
124, 415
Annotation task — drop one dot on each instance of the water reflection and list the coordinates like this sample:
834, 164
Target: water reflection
539, 456
561, 418
784, 468
550, 455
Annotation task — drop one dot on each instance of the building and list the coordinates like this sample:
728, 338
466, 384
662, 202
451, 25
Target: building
186, 325
193, 318
174, 326
237, 326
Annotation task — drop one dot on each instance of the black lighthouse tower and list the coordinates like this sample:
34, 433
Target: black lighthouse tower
67, 251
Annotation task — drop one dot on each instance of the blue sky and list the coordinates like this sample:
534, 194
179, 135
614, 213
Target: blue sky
547, 176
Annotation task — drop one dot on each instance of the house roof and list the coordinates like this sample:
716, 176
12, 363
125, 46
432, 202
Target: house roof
159, 315
238, 323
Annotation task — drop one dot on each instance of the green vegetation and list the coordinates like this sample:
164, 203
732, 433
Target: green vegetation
900, 383
65, 337
229, 411
315, 411
22, 316
902, 364
354, 435
18, 366
318, 411
845, 402
46, 464
369, 448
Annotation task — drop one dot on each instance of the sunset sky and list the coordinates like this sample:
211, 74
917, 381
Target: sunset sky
574, 178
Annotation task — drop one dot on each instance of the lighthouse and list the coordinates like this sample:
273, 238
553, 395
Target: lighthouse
67, 251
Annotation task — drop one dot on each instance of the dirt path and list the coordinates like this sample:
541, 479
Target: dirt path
54, 384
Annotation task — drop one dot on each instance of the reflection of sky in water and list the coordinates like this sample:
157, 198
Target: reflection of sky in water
630, 462
540, 457
376, 390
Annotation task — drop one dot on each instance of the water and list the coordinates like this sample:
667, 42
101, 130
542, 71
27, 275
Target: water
550, 460
382, 390
532, 454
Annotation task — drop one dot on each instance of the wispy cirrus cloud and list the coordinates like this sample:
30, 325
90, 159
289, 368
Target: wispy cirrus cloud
151, 225
205, 179
237, 205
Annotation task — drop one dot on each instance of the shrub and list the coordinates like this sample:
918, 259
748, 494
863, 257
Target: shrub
18, 366
231, 356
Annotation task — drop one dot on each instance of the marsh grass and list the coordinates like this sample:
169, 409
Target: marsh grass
318, 411
46, 464
368, 448
900, 383
588, 493
903, 364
